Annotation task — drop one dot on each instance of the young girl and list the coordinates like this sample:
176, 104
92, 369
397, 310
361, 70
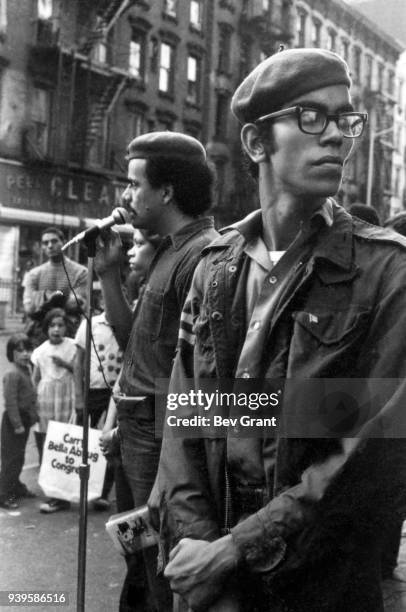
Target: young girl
53, 375
20, 413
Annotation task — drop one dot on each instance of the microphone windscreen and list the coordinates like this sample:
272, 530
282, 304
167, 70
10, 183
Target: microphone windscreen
120, 215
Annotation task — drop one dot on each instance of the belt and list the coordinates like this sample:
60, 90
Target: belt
128, 406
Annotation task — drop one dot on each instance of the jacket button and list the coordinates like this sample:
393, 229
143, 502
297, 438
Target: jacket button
232, 269
214, 284
256, 325
273, 280
216, 315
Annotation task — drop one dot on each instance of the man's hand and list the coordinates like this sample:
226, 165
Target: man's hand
108, 253
19, 430
198, 569
109, 443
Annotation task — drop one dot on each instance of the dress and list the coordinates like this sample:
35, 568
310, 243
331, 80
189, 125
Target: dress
56, 390
309, 527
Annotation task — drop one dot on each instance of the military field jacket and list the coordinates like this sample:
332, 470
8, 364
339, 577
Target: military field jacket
342, 315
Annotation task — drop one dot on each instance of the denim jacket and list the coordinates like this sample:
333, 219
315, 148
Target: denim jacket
341, 315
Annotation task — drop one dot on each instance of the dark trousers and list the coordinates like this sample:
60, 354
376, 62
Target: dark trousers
12, 457
143, 590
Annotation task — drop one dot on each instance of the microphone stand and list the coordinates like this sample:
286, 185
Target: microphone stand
84, 469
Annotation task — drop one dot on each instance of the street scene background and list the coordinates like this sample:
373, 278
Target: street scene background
78, 79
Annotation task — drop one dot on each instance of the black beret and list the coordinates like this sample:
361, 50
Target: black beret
168, 144
285, 76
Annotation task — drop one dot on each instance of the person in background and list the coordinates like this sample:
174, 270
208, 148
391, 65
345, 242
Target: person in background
140, 257
19, 415
47, 286
105, 366
397, 223
364, 212
53, 377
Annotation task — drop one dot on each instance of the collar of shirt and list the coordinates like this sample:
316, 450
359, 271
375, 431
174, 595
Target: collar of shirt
101, 318
256, 248
179, 238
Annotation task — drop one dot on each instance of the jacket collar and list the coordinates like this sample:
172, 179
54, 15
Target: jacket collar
179, 238
332, 224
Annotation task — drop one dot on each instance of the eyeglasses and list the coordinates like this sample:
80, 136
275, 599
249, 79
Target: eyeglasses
314, 121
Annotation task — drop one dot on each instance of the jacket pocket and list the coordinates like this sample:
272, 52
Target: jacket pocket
332, 328
326, 344
150, 315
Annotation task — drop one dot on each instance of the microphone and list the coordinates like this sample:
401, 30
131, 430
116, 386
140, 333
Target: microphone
117, 217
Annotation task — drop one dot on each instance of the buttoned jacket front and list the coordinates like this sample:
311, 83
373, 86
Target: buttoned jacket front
342, 314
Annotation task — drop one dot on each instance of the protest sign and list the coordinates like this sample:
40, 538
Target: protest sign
59, 474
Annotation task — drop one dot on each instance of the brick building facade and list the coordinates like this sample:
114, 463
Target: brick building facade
80, 78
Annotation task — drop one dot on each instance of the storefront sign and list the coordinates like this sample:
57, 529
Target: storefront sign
78, 195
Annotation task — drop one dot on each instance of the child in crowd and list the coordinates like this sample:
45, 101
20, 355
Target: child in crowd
105, 364
20, 413
53, 375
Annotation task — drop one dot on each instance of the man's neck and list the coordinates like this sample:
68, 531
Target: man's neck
55, 259
173, 222
283, 217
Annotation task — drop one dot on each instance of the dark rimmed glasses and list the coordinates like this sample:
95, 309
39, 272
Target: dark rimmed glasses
314, 121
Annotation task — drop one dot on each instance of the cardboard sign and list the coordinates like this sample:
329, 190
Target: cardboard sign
59, 473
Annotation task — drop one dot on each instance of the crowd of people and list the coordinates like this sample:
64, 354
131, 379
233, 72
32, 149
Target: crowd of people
300, 290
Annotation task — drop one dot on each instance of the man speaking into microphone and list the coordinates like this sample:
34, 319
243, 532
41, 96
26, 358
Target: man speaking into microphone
169, 192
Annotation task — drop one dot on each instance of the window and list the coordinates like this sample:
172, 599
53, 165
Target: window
316, 33
137, 124
331, 40
398, 139
196, 14
265, 6
224, 49
3, 16
301, 29
136, 57
40, 115
222, 116
99, 52
380, 77
391, 82
170, 7
368, 71
357, 64
98, 136
401, 85
345, 47
44, 9
166, 62
193, 79
398, 172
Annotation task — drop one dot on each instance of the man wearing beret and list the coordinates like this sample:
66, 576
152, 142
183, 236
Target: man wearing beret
299, 291
169, 193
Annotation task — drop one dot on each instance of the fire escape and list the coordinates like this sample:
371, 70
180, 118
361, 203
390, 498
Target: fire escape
86, 87
269, 22
107, 81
